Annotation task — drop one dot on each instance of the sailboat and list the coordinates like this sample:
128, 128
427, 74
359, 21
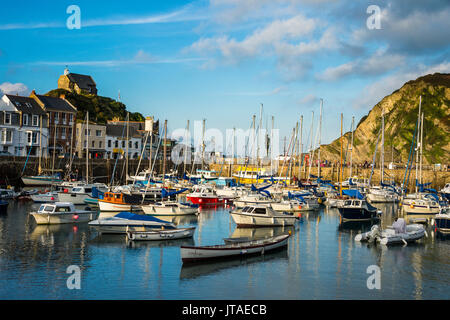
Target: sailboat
423, 205
382, 193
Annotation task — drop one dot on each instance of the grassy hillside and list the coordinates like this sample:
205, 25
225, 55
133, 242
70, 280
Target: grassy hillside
100, 108
401, 112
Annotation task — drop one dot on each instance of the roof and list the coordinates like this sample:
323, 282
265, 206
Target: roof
120, 130
25, 104
56, 104
84, 82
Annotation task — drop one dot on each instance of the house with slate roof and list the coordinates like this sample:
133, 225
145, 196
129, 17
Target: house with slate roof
78, 83
23, 126
61, 122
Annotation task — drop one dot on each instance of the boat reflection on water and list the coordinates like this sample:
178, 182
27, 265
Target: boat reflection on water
180, 219
261, 233
160, 243
198, 269
363, 226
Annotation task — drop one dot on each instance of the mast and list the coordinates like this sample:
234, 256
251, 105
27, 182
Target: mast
351, 148
164, 152
203, 144
54, 147
421, 149
311, 145
151, 151
382, 148
300, 148
259, 135
254, 139
340, 174
271, 147
186, 149
40, 146
87, 146
126, 147
418, 140
320, 135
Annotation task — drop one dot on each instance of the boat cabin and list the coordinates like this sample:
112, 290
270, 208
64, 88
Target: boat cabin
255, 210
58, 207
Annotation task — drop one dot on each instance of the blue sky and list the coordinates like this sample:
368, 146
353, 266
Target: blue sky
220, 59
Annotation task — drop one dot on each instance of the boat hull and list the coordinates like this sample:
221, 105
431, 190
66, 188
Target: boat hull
442, 225
196, 254
79, 217
113, 207
357, 214
75, 198
168, 211
205, 201
40, 181
161, 234
251, 221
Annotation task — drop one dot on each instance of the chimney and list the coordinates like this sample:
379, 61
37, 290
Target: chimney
62, 96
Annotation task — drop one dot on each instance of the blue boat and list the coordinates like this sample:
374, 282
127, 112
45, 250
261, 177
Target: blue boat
357, 208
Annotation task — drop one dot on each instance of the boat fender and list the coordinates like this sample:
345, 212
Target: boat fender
426, 234
404, 242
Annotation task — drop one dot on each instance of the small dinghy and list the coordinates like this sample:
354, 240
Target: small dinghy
390, 236
238, 249
155, 235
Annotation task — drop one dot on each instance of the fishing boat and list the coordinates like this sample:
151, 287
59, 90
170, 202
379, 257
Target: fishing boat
442, 223
41, 180
115, 202
262, 216
170, 208
205, 195
134, 234
78, 195
51, 196
239, 249
3, 206
62, 212
357, 208
123, 221
390, 236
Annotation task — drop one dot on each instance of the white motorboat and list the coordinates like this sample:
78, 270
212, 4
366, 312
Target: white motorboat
421, 203
446, 191
47, 197
262, 216
122, 222
378, 194
155, 235
78, 195
62, 212
170, 208
292, 205
252, 199
238, 249
389, 236
232, 192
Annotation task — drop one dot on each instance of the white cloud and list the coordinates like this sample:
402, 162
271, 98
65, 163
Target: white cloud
14, 88
373, 93
378, 63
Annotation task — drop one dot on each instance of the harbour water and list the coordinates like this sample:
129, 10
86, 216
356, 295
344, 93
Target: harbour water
322, 261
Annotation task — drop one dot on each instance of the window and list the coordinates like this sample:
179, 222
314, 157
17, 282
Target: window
6, 136
136, 145
25, 119
63, 117
87, 132
71, 117
123, 144
100, 144
109, 143
260, 210
29, 137
116, 144
130, 144
84, 143
98, 133
93, 144
35, 120
7, 118
63, 132
35, 137
56, 118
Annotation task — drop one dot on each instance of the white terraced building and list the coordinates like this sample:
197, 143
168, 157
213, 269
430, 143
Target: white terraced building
23, 127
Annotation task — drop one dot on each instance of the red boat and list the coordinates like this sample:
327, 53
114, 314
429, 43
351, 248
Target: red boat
206, 195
